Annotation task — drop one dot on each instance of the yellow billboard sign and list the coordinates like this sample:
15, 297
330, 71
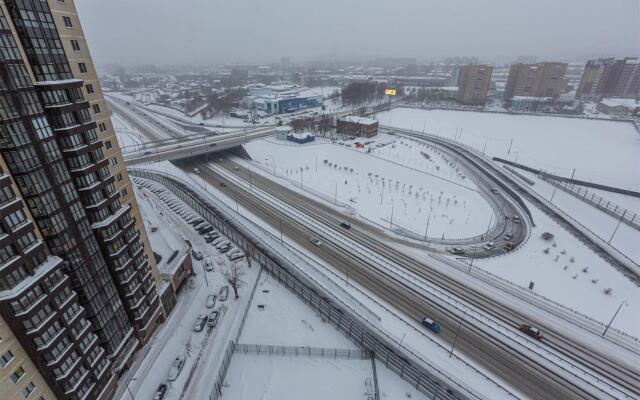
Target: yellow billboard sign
390, 92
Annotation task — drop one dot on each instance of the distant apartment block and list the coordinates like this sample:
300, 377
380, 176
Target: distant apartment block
473, 84
608, 77
545, 79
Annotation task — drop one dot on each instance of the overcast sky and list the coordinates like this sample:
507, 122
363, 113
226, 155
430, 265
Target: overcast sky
259, 31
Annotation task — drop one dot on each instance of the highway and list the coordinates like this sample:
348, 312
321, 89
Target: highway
483, 348
487, 349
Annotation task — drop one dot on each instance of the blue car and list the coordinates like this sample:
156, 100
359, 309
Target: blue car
431, 324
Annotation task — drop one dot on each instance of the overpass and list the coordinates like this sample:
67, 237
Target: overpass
178, 148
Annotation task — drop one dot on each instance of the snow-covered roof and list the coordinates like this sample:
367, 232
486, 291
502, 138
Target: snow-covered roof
302, 135
614, 102
532, 98
358, 120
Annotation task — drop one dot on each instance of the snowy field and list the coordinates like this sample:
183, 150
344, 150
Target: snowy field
603, 151
394, 183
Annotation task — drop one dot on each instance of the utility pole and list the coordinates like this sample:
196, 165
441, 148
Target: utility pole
426, 231
614, 316
335, 197
457, 333
485, 145
555, 187
474, 256
391, 222
510, 143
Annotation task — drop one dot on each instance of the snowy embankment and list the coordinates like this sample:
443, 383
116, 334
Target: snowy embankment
394, 186
600, 151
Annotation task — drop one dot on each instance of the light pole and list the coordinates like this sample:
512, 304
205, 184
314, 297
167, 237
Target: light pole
614, 316
129, 390
617, 226
426, 231
401, 340
457, 333
391, 221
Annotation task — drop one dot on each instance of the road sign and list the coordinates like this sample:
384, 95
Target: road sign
390, 92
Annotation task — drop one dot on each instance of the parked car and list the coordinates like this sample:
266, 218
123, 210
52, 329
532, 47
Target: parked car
160, 392
209, 239
223, 243
211, 300
223, 295
176, 367
208, 266
205, 229
431, 324
213, 318
232, 252
199, 323
531, 331
316, 242
197, 255
224, 249
217, 241
236, 257
197, 221
456, 250
345, 225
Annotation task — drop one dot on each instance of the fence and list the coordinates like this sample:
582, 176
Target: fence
628, 217
222, 373
298, 351
431, 382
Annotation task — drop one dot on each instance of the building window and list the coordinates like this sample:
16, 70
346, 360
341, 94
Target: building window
89, 88
17, 374
102, 126
107, 144
114, 161
96, 109
83, 67
28, 389
6, 357
119, 177
75, 45
67, 22
124, 193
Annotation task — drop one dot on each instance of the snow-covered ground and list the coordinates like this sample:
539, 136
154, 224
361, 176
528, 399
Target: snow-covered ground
601, 151
394, 183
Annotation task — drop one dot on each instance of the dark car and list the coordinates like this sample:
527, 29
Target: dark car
223, 184
345, 225
531, 331
160, 392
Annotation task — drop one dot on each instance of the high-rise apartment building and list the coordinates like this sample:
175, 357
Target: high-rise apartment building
77, 285
473, 83
544, 79
608, 77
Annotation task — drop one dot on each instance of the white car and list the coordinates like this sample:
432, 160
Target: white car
211, 301
199, 323
489, 245
176, 367
316, 242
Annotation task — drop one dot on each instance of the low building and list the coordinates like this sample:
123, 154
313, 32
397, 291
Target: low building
171, 252
357, 126
530, 103
284, 98
619, 107
304, 137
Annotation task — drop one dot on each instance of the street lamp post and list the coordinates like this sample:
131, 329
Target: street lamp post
614, 316
128, 389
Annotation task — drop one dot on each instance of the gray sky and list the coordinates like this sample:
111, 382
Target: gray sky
259, 31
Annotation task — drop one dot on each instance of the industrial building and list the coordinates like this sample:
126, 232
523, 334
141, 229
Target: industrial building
357, 126
280, 99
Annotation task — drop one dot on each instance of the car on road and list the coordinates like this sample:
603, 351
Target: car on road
316, 242
509, 246
456, 250
494, 190
489, 245
196, 170
213, 318
211, 300
516, 219
208, 266
508, 236
223, 295
531, 331
199, 323
176, 367
431, 324
236, 168
345, 225
223, 184
197, 255
160, 392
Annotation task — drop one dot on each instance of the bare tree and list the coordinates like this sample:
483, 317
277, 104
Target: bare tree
234, 274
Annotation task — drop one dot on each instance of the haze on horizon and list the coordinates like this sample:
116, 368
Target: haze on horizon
253, 31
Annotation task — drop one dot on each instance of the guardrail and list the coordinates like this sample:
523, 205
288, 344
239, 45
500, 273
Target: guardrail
432, 382
628, 217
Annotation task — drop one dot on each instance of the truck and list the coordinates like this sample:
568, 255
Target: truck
431, 325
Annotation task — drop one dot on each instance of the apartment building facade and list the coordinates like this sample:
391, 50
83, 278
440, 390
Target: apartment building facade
545, 80
77, 285
608, 77
473, 83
